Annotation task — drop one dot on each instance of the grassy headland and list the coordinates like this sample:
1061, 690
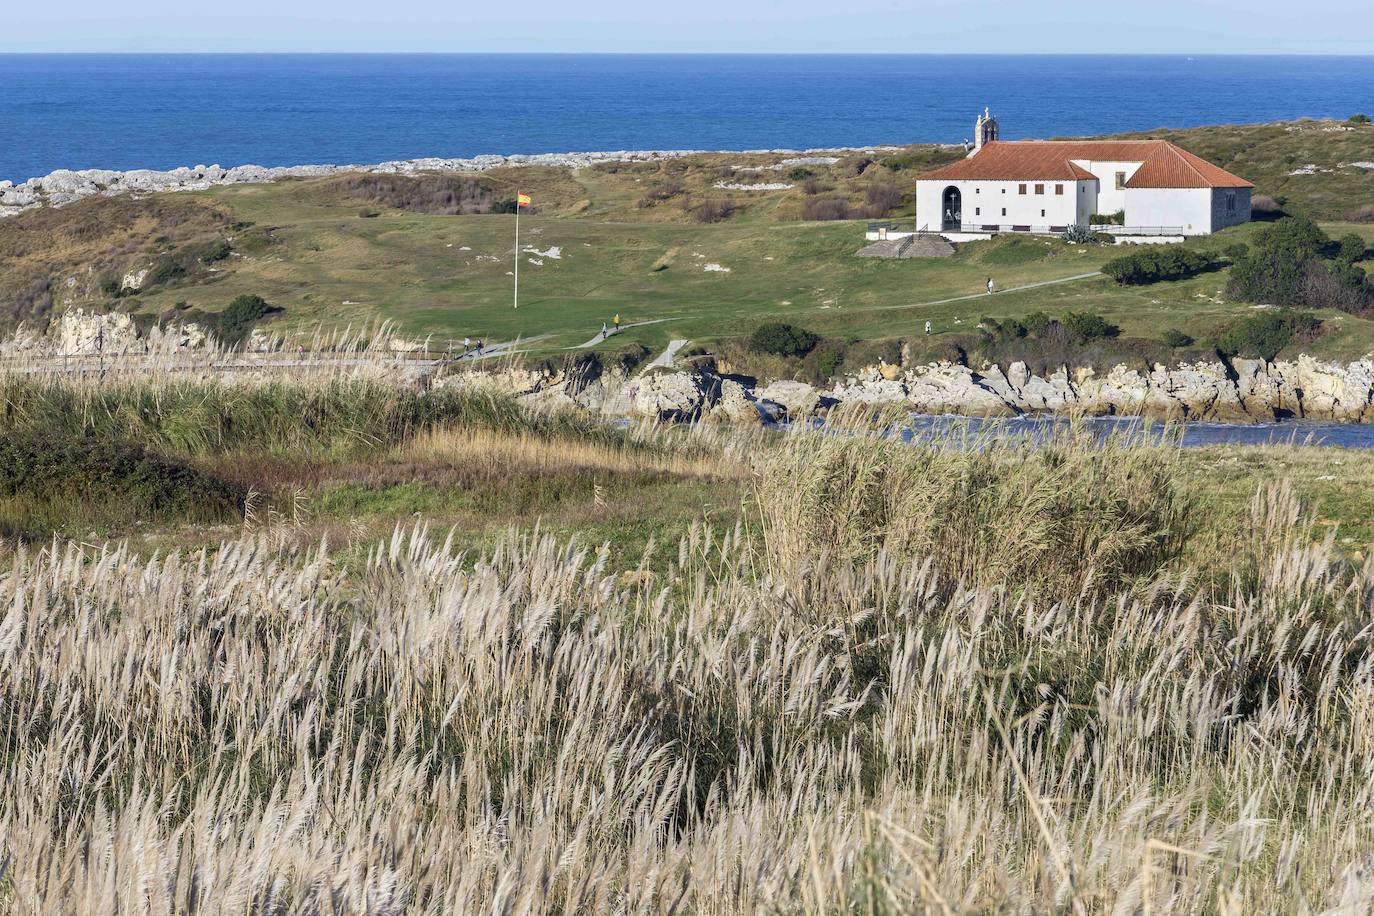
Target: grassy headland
668, 242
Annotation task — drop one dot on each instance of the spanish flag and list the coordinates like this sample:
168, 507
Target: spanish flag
522, 200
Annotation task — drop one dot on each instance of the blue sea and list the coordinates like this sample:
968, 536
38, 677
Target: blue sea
162, 111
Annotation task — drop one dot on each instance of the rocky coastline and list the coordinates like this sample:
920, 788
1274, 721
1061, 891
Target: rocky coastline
64, 186
1231, 391
1238, 391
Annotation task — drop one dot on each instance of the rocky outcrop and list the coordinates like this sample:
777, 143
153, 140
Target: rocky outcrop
1243, 391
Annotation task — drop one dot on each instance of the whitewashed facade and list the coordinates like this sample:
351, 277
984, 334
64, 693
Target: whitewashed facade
1046, 186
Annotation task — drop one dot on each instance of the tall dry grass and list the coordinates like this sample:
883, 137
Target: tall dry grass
537, 732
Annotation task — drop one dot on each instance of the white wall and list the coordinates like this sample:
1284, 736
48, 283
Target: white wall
1109, 199
1190, 209
984, 201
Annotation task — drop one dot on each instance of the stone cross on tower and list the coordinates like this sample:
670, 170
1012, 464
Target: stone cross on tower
984, 129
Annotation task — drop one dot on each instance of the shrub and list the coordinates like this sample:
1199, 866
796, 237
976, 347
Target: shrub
1085, 326
1037, 322
709, 211
167, 270
1351, 248
239, 316
1274, 269
1078, 235
798, 173
1175, 339
826, 208
216, 252
1359, 119
1263, 336
1151, 265
664, 190
505, 205
368, 213
1264, 208
1108, 219
815, 186
54, 477
881, 198
1336, 285
1236, 251
782, 339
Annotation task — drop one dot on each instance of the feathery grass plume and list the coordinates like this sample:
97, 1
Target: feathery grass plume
822, 721
1074, 512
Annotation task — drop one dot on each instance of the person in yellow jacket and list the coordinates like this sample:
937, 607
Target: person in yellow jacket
616, 321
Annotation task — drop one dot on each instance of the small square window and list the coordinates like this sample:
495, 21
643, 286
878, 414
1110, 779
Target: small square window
1040, 189
1120, 180
977, 211
1004, 211
1059, 190
1042, 214
977, 190
1021, 189
1004, 190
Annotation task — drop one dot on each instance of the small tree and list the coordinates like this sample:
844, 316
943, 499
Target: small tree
1175, 339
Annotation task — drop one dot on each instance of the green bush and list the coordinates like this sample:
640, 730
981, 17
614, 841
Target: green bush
1037, 322
216, 252
507, 205
1237, 251
1359, 119
1263, 336
1108, 219
782, 339
239, 316
1351, 248
167, 270
1151, 265
49, 480
1086, 326
798, 173
1175, 339
1274, 269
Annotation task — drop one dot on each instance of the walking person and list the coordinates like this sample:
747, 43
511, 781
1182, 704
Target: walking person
990, 286
603, 330
467, 345
927, 327
479, 346
615, 321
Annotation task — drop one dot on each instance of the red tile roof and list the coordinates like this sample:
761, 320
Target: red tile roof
1163, 164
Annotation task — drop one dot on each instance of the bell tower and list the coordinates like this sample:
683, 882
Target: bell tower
984, 129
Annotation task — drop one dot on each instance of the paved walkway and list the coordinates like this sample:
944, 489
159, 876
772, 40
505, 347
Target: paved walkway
624, 327
665, 358
983, 295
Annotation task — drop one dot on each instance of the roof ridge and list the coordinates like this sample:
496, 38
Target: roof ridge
1181, 153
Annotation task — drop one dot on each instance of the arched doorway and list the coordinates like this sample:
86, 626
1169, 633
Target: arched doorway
951, 209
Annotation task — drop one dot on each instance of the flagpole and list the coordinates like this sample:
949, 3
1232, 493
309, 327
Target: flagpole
517, 250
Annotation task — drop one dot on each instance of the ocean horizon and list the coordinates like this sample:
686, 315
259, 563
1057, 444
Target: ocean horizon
160, 111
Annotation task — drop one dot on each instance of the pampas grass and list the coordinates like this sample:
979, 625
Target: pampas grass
534, 731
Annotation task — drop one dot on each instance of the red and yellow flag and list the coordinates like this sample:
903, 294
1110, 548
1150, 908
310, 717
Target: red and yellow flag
522, 200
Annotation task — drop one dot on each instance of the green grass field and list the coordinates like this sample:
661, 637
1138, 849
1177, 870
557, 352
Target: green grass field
451, 276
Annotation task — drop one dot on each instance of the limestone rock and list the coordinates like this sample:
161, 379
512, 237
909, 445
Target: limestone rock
736, 404
799, 399
671, 395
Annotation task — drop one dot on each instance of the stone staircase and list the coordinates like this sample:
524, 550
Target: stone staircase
921, 245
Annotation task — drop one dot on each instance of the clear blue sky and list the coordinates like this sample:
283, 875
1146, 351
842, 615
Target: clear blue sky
956, 26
